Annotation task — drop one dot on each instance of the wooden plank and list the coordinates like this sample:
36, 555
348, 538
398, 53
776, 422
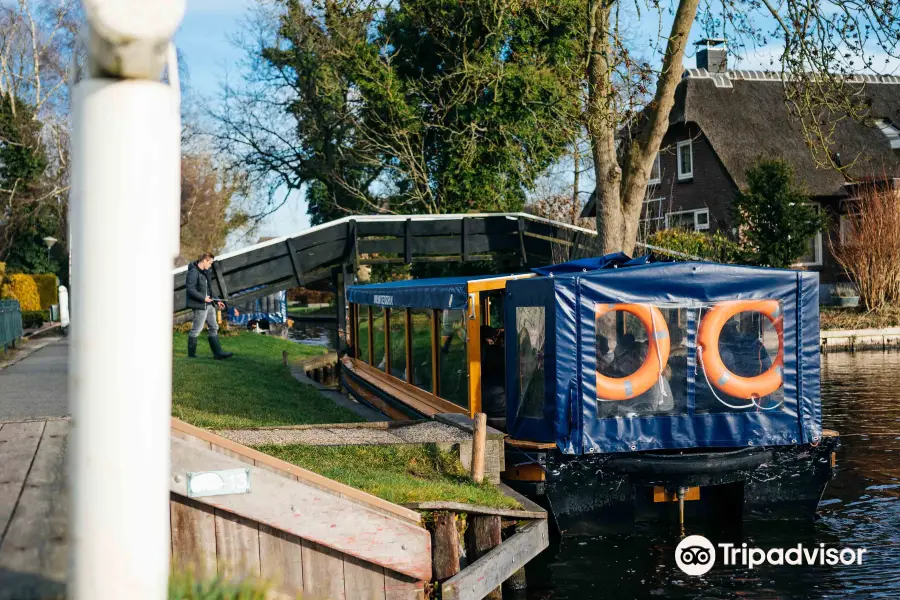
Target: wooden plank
313, 514
524, 255
35, 541
292, 254
193, 527
495, 567
362, 580
323, 572
526, 503
401, 587
476, 509
18, 443
281, 560
407, 242
237, 546
529, 445
445, 545
339, 489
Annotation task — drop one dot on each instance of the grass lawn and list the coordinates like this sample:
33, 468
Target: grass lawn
858, 318
251, 389
397, 473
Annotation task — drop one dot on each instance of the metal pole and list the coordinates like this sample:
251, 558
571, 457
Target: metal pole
124, 205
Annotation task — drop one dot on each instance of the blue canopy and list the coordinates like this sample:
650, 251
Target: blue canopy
583, 265
563, 339
441, 292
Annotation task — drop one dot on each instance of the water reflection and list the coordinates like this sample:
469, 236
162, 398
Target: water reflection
314, 333
860, 509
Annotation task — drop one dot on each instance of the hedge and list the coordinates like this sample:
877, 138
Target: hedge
32, 319
715, 247
34, 292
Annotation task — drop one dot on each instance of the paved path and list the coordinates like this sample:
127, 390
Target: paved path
36, 386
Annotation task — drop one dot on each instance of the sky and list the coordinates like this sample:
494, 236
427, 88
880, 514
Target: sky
204, 41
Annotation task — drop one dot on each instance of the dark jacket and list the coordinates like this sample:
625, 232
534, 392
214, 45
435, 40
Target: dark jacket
198, 286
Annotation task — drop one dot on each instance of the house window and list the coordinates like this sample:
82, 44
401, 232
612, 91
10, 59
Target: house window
890, 132
652, 217
813, 256
655, 172
685, 160
847, 227
691, 220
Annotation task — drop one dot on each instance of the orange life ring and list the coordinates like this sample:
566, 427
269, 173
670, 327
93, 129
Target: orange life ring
718, 374
630, 386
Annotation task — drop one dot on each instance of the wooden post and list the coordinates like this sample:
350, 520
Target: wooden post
284, 357
445, 546
483, 535
479, 439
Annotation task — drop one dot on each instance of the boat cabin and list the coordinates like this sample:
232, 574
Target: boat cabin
600, 355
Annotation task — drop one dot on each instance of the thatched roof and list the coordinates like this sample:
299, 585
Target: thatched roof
744, 117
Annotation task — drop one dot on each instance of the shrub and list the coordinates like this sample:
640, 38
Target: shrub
32, 319
775, 218
715, 247
48, 289
870, 250
22, 287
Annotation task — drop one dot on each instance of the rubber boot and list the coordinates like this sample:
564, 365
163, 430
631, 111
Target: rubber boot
217, 348
192, 347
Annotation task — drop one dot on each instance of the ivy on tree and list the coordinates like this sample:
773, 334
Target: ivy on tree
775, 219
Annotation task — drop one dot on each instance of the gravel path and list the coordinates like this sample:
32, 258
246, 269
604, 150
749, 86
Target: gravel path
417, 433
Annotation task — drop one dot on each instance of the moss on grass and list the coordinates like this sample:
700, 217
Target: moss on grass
184, 586
251, 389
398, 473
858, 318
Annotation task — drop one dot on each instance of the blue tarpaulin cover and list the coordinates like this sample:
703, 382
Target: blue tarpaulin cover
442, 292
553, 338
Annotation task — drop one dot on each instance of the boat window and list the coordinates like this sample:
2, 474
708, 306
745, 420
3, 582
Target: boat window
398, 343
454, 378
495, 312
627, 361
363, 334
748, 348
531, 333
421, 348
378, 337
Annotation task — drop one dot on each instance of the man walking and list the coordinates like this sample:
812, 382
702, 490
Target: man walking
199, 290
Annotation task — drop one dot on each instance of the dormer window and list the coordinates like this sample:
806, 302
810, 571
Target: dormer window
685, 161
890, 132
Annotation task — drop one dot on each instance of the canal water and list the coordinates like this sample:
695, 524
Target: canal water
861, 509
313, 333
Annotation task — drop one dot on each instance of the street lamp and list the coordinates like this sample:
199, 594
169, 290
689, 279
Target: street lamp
49, 241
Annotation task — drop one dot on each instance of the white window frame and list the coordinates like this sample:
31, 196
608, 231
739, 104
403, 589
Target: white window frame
658, 179
698, 226
685, 176
818, 253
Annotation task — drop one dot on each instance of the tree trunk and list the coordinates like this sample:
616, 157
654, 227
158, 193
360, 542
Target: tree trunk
620, 196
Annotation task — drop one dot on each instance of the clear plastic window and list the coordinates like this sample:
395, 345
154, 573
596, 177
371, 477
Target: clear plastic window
378, 339
530, 375
421, 348
452, 358
398, 343
636, 377
363, 331
744, 370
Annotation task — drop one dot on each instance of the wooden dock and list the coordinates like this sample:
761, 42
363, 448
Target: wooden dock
33, 509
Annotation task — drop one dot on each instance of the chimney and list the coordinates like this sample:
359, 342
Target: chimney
711, 55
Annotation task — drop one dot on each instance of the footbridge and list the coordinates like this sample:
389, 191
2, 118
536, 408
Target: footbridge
331, 253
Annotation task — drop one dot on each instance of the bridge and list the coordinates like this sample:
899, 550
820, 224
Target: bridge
331, 253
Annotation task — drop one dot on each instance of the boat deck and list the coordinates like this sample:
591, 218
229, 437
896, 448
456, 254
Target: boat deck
33, 509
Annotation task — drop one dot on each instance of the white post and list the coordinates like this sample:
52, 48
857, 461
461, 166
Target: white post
63, 307
125, 193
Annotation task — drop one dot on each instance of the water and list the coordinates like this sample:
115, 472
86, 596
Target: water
314, 333
860, 509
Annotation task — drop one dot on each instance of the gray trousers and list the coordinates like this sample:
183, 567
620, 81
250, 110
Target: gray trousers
208, 315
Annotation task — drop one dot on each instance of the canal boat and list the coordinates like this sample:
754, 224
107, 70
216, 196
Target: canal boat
631, 390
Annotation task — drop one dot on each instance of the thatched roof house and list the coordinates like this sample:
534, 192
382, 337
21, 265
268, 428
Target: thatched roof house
724, 121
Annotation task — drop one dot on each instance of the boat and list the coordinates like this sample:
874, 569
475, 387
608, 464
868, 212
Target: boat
630, 390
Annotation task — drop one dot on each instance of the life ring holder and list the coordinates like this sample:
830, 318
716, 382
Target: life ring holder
647, 375
718, 375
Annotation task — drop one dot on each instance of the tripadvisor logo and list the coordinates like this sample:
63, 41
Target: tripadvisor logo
696, 555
